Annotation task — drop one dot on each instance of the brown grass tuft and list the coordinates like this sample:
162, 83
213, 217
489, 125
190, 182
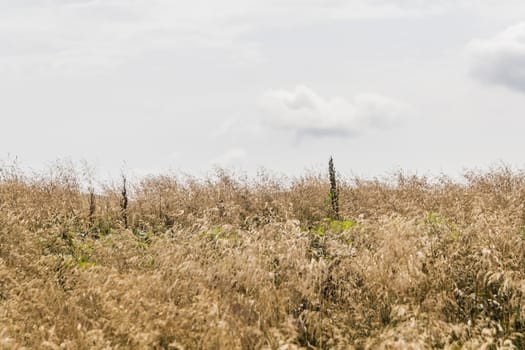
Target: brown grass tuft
234, 263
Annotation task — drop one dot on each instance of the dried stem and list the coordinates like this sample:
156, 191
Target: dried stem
334, 194
124, 201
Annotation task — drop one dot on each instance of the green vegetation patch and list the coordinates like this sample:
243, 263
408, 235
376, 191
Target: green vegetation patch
328, 226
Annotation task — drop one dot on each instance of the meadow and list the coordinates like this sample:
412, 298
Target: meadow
235, 262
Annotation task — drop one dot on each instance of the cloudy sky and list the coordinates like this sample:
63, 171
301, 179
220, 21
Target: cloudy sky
425, 86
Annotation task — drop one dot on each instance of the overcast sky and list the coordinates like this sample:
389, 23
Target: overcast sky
425, 86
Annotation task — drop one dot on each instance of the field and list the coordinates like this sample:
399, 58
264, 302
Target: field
230, 262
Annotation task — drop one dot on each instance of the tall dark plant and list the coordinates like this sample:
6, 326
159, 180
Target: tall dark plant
124, 202
92, 205
334, 193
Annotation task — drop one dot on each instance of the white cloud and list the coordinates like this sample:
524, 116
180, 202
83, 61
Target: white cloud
66, 34
303, 111
484, 8
230, 157
500, 60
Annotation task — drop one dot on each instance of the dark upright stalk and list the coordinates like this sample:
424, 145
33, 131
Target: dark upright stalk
334, 194
124, 202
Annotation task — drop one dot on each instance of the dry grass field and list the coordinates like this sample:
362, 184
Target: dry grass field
230, 262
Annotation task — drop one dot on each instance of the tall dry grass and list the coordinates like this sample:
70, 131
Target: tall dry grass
230, 262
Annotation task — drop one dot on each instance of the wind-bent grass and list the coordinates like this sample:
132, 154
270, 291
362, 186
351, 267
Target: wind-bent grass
228, 263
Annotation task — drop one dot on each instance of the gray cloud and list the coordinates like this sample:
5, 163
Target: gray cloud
501, 59
305, 112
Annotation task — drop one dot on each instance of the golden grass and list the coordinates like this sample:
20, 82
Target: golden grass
235, 263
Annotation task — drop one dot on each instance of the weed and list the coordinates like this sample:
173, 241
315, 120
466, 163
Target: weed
334, 193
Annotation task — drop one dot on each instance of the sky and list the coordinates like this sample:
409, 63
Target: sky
428, 87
